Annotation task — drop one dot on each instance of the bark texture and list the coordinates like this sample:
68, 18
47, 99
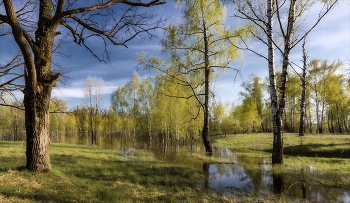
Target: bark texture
205, 132
277, 153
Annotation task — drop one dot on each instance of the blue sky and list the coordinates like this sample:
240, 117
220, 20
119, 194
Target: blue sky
330, 40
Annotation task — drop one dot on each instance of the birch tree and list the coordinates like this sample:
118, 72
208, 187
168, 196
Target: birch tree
286, 20
132, 101
93, 90
35, 25
197, 47
322, 72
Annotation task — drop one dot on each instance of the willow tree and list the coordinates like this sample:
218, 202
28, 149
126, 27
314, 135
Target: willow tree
35, 25
286, 20
197, 46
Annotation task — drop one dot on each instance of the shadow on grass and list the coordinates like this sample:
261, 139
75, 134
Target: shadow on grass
76, 178
51, 197
319, 150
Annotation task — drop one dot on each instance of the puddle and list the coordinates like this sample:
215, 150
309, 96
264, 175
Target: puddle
237, 179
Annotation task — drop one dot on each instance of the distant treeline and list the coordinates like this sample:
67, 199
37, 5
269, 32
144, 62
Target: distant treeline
162, 109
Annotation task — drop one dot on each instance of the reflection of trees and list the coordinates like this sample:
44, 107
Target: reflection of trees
206, 175
256, 175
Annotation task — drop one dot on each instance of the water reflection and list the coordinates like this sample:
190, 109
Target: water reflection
239, 178
240, 175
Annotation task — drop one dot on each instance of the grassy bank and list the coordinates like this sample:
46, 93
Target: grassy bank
88, 174
318, 159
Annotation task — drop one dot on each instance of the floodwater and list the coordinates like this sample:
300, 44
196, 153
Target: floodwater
239, 177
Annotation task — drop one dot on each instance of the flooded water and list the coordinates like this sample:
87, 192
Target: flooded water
238, 179
240, 175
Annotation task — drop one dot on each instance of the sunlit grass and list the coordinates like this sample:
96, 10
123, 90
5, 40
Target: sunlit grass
89, 174
318, 159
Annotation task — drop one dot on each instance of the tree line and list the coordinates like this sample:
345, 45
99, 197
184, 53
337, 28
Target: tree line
327, 102
143, 109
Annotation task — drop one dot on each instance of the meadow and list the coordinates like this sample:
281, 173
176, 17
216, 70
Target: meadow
91, 174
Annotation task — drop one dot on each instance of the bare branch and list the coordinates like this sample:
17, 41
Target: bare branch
109, 3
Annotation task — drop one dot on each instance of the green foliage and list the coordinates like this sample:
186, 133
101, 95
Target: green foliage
196, 47
11, 119
329, 96
172, 115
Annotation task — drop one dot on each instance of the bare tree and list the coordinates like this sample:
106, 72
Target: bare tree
34, 27
284, 18
303, 92
9, 79
93, 89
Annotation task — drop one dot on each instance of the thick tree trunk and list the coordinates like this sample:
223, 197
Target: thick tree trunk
36, 104
39, 81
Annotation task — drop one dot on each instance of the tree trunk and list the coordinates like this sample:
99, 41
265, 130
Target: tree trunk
303, 92
277, 153
39, 81
205, 131
36, 103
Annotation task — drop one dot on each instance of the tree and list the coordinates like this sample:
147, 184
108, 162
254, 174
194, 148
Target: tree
196, 48
35, 37
255, 91
321, 72
218, 114
10, 72
303, 92
93, 89
288, 16
57, 122
337, 104
292, 94
132, 101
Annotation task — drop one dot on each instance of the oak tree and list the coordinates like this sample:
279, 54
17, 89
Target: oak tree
36, 24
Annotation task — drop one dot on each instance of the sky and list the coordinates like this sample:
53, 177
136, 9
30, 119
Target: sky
329, 40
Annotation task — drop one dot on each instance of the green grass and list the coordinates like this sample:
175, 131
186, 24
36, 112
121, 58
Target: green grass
91, 174
319, 159
88, 174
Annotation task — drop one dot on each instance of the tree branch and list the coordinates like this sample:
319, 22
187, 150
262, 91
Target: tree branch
109, 3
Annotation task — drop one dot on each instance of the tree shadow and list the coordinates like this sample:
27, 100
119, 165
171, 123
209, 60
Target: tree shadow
317, 150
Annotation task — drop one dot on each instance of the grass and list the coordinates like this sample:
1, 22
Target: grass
318, 159
88, 174
91, 174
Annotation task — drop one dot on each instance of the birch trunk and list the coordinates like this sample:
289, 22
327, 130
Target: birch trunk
276, 120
